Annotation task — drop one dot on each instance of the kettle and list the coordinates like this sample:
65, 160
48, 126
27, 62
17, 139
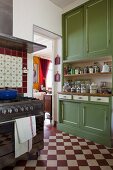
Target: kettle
105, 68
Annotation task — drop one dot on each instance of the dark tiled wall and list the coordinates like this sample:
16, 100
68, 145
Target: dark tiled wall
24, 64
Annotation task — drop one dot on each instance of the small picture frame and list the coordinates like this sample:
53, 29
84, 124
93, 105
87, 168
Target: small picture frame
57, 77
57, 60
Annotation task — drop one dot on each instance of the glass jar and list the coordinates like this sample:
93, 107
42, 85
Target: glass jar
81, 71
85, 69
83, 88
87, 88
77, 70
96, 69
93, 88
90, 69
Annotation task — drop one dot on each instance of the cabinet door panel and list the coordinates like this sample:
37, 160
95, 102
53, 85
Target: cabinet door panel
97, 27
70, 113
94, 118
73, 28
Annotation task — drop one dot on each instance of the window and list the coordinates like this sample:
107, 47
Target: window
49, 77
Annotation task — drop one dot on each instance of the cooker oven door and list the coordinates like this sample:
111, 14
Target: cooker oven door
6, 144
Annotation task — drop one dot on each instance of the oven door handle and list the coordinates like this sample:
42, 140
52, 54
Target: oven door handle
9, 121
19, 117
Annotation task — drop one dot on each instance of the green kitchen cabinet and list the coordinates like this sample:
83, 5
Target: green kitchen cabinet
97, 28
69, 113
111, 17
86, 119
95, 118
73, 41
87, 31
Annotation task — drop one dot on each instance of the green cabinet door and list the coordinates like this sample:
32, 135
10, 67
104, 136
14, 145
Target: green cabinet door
111, 5
73, 35
70, 113
97, 28
95, 118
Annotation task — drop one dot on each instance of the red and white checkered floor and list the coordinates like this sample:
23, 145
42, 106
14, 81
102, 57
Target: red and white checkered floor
66, 152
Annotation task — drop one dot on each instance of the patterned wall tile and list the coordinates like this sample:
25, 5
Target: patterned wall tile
1, 83
11, 65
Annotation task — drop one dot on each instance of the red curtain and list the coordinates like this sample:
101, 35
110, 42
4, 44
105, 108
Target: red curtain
44, 64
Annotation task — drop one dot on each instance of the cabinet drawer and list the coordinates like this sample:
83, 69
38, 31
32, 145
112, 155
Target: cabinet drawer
63, 96
99, 99
78, 97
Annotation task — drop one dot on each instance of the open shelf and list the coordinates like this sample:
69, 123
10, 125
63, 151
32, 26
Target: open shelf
88, 74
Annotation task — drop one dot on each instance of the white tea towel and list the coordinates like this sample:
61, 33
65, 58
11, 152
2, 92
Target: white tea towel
21, 148
24, 129
33, 125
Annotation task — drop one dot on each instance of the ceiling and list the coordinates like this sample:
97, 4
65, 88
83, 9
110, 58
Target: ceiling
47, 52
62, 3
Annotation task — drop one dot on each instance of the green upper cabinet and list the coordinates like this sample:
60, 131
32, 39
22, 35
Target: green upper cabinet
73, 35
111, 5
87, 30
97, 28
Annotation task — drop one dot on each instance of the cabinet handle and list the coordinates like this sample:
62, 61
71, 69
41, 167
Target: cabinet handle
83, 115
62, 112
98, 99
80, 98
64, 97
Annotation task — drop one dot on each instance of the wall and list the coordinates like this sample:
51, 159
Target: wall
29, 92
57, 87
42, 13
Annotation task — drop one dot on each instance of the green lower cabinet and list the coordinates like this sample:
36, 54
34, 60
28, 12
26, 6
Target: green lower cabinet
87, 120
95, 118
70, 113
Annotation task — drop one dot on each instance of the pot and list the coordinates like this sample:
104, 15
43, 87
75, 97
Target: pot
8, 94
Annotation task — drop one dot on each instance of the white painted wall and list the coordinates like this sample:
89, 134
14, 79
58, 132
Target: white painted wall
57, 87
74, 5
29, 76
42, 13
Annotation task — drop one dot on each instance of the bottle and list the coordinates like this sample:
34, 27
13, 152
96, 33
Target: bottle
69, 69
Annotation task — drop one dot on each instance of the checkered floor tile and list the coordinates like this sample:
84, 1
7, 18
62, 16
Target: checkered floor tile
66, 152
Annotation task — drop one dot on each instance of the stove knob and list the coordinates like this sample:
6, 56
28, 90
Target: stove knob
10, 110
4, 111
22, 109
31, 107
16, 110
26, 108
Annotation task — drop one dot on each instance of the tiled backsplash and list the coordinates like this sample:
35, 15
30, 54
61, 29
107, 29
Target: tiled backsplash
12, 63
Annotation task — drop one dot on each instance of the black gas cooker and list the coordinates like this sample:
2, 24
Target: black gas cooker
19, 107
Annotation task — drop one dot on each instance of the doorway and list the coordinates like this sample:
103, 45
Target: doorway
43, 59
49, 39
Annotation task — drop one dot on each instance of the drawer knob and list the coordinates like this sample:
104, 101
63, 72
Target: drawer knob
98, 99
